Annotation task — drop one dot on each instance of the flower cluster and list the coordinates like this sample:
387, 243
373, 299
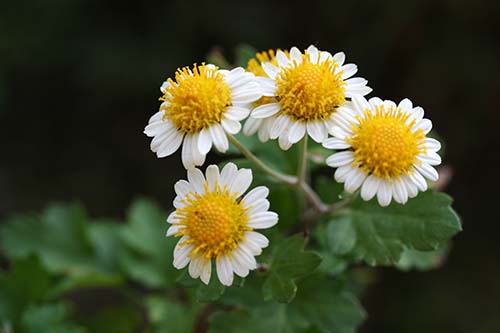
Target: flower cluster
378, 147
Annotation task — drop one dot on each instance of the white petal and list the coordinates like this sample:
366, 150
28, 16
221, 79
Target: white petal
158, 127
352, 91
204, 141
258, 193
266, 110
227, 174
236, 113
296, 55
339, 58
158, 116
283, 141
212, 176
340, 159
197, 180
411, 187
182, 188
219, 138
432, 144
335, 143
418, 113
238, 267
173, 230
313, 54
279, 126
419, 181
241, 182
267, 86
206, 272
195, 268
270, 69
317, 131
354, 180
281, 58
224, 270
342, 172
325, 56
257, 238
259, 206
187, 154
198, 157
369, 188
181, 253
170, 145
263, 220
389, 105
406, 105
251, 126
297, 131
361, 104
384, 194
348, 70
399, 191
424, 124
231, 126
427, 171
251, 93
172, 217
338, 132
430, 158
252, 250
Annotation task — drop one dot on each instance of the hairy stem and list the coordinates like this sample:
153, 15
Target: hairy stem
286, 179
302, 167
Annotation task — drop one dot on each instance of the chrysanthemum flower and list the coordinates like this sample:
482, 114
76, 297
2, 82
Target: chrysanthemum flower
198, 108
308, 88
214, 222
262, 125
386, 151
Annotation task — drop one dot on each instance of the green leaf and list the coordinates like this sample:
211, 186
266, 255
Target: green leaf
149, 259
420, 260
289, 262
26, 282
59, 237
169, 316
322, 305
269, 318
327, 305
122, 317
379, 235
48, 318
211, 292
329, 190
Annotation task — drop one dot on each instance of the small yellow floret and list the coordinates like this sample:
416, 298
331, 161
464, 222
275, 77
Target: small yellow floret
196, 99
309, 91
214, 222
384, 145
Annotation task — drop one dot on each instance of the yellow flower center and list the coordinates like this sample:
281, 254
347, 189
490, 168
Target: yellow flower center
384, 144
214, 222
197, 99
308, 91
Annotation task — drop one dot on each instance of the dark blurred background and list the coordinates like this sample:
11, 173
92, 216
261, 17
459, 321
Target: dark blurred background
79, 80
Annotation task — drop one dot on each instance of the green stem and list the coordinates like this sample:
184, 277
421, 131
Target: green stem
287, 179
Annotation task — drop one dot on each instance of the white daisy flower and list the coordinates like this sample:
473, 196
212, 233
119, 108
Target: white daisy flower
199, 107
385, 150
262, 126
215, 222
308, 90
